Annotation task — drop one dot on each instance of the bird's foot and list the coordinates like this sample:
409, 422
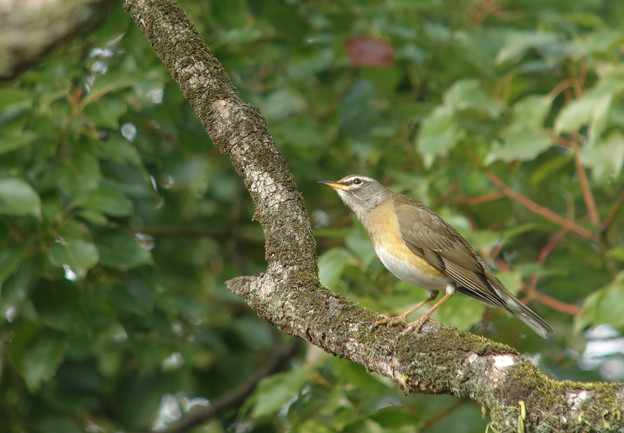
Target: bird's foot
417, 325
402, 319
390, 320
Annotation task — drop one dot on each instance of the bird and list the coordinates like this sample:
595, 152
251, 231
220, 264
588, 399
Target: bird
419, 247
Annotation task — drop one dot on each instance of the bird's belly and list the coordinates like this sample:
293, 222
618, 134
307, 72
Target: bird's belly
412, 269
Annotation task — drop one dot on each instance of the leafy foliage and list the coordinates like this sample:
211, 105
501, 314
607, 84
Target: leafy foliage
120, 223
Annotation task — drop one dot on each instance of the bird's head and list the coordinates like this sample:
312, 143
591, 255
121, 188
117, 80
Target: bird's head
360, 193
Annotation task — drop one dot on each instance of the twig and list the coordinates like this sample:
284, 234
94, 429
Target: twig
440, 415
543, 255
613, 212
563, 85
555, 304
539, 209
486, 198
587, 193
531, 291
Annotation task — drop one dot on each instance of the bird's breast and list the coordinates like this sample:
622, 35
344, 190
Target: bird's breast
383, 228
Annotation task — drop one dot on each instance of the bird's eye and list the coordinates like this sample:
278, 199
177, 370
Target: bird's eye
357, 181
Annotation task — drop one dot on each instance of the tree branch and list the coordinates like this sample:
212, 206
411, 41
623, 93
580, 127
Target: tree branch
290, 296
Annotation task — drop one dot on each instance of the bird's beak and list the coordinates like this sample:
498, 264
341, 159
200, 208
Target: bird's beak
332, 184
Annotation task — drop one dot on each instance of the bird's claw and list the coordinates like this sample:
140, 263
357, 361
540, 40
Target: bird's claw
417, 325
390, 320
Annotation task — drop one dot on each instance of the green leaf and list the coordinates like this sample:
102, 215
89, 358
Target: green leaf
460, 312
616, 253
550, 167
522, 41
577, 114
304, 66
275, 391
393, 417
437, 135
108, 201
58, 304
36, 353
93, 216
14, 139
360, 245
135, 298
17, 197
78, 174
599, 119
14, 103
118, 149
531, 112
55, 424
11, 256
603, 307
281, 104
520, 145
593, 106
301, 133
361, 425
120, 249
79, 254
470, 94
315, 426
105, 112
606, 157
332, 264
136, 398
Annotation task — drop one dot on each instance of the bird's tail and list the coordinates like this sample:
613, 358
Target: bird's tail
527, 315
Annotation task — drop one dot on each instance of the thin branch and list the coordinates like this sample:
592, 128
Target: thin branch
545, 252
440, 415
563, 85
588, 196
541, 258
531, 290
486, 198
536, 208
613, 212
555, 304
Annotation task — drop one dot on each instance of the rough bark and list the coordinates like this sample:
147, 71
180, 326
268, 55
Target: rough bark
289, 295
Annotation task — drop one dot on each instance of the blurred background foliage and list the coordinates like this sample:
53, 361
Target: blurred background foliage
120, 223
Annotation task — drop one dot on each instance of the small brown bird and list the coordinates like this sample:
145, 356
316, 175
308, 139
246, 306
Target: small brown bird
420, 248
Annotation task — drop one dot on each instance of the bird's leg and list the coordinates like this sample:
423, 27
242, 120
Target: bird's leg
418, 323
402, 318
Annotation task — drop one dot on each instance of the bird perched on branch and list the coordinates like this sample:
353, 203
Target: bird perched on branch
420, 248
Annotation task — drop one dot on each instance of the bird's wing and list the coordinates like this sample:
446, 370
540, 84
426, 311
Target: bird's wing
429, 236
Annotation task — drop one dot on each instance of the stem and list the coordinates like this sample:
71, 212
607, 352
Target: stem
588, 197
538, 209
